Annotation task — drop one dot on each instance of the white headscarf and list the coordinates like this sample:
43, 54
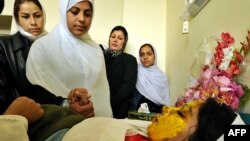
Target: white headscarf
60, 62
153, 83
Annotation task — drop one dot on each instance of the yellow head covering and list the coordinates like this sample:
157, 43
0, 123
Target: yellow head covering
171, 122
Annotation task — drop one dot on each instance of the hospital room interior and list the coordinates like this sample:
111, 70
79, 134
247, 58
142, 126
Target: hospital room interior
176, 28
160, 22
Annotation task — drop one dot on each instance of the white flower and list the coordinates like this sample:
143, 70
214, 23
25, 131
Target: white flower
228, 55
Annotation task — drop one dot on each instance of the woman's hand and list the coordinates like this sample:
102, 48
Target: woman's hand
79, 101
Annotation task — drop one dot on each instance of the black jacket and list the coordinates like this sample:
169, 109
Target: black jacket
13, 81
122, 76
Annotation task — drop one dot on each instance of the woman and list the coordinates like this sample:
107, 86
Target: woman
68, 58
29, 17
152, 84
121, 71
14, 86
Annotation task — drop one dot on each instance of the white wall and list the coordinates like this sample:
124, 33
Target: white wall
145, 21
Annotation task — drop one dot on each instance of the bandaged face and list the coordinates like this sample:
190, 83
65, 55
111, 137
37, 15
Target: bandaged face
175, 123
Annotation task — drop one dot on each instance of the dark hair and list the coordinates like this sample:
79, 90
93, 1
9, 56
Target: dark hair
147, 44
124, 31
17, 4
213, 117
1, 5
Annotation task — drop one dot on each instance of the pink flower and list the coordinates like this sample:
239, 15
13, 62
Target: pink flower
225, 89
235, 103
207, 74
196, 95
222, 80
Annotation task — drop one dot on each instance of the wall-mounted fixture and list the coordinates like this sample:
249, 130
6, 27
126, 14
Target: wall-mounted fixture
193, 7
5, 24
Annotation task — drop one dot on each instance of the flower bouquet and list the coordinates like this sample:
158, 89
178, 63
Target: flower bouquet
218, 78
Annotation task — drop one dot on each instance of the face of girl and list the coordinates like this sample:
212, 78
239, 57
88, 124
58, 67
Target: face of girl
147, 56
79, 18
175, 123
116, 40
31, 18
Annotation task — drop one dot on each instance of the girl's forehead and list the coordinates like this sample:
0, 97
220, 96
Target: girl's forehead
185, 107
117, 32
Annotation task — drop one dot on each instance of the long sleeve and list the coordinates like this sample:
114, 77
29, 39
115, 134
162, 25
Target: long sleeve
13, 81
127, 85
122, 76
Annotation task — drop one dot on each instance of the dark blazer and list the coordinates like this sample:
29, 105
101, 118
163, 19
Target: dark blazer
122, 76
13, 82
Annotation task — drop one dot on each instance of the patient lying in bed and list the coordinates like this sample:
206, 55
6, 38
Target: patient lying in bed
184, 123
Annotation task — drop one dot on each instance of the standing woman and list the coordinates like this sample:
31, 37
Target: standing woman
29, 17
68, 58
152, 84
121, 71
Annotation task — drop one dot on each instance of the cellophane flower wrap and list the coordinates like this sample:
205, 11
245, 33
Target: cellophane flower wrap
215, 71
